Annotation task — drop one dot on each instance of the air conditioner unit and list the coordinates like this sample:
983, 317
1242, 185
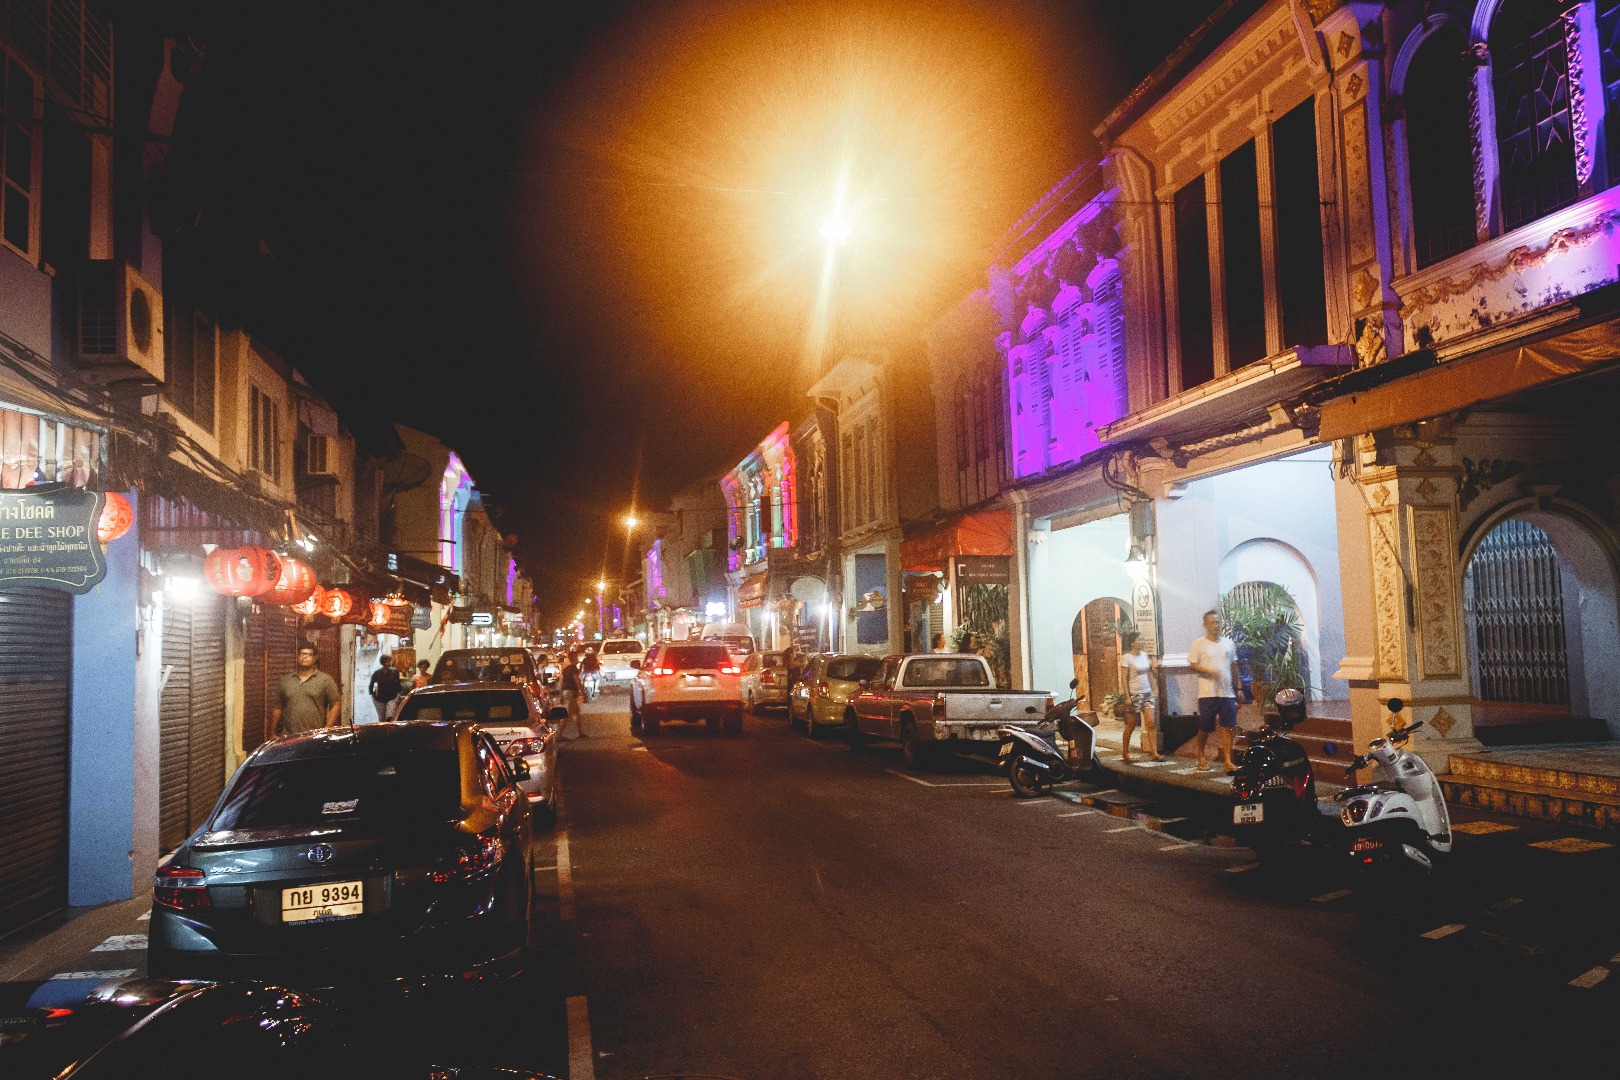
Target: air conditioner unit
120, 328
318, 457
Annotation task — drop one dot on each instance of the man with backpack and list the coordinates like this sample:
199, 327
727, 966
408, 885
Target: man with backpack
385, 686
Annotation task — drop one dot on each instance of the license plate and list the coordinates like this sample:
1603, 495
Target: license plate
313, 903
1248, 813
1365, 843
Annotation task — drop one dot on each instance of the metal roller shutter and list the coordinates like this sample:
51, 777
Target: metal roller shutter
36, 652
281, 641
255, 663
174, 726
207, 747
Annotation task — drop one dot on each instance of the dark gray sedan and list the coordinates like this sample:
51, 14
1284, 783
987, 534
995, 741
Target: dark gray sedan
386, 851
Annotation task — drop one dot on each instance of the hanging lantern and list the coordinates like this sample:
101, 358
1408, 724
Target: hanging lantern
336, 603
380, 615
295, 585
117, 515
244, 571
311, 604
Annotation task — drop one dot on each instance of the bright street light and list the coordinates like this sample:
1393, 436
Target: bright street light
631, 521
835, 230
600, 585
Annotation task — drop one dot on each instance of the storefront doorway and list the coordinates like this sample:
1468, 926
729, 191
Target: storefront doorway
1097, 637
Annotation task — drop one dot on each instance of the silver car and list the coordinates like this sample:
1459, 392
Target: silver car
515, 717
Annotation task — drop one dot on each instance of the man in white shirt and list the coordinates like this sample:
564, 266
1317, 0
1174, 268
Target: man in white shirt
1214, 658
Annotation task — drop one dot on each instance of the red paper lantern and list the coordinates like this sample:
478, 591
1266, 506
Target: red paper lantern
311, 604
336, 604
380, 614
245, 571
117, 515
295, 585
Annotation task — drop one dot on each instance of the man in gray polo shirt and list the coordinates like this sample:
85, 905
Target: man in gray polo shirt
308, 698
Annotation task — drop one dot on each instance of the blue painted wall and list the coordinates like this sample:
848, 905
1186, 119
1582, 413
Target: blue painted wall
101, 748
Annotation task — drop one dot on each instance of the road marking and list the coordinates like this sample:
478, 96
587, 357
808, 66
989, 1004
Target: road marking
565, 878
1100, 794
927, 783
638, 750
1245, 868
1500, 906
1328, 898
145, 915
1122, 828
1175, 847
122, 943
115, 973
1482, 828
1081, 813
1588, 979
1570, 845
581, 1059
1444, 931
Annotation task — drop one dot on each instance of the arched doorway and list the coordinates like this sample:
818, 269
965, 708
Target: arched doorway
1540, 602
1095, 639
1264, 622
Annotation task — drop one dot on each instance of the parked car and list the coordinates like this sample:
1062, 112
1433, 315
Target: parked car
517, 719
822, 696
485, 665
734, 636
934, 703
687, 681
618, 657
384, 851
765, 680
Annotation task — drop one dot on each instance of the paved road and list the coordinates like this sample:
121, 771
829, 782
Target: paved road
768, 907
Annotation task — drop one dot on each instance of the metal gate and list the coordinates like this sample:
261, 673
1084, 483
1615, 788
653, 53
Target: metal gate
191, 754
271, 651
36, 656
1515, 602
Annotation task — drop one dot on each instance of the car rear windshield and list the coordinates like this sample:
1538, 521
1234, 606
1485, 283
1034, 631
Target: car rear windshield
853, 669
399, 787
946, 671
613, 648
494, 665
484, 706
770, 659
742, 646
694, 657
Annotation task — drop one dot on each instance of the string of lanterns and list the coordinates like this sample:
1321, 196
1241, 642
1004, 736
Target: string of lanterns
273, 578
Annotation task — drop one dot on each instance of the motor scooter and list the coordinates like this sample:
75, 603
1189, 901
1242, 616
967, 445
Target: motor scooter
1400, 816
1036, 759
1275, 808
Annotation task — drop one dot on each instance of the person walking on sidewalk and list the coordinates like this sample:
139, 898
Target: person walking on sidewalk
1138, 667
420, 679
1214, 658
306, 699
384, 687
572, 688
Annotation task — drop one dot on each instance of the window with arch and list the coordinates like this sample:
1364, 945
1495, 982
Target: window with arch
1440, 152
1534, 124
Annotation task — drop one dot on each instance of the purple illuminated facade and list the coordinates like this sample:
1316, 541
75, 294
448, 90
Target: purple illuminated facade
1063, 342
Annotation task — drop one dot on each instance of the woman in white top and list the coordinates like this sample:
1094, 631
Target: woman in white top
1136, 670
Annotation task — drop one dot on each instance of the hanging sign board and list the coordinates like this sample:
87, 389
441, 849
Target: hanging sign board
482, 618
48, 538
983, 570
1145, 614
421, 618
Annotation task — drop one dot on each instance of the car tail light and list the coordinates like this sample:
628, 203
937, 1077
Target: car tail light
663, 671
525, 746
468, 863
939, 705
737, 671
180, 888
767, 677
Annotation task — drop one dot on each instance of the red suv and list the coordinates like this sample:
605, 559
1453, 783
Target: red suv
687, 681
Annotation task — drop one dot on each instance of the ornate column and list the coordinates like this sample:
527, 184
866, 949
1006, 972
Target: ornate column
1407, 478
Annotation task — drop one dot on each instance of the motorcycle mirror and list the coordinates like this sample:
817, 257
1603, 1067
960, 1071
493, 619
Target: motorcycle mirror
1074, 683
1395, 704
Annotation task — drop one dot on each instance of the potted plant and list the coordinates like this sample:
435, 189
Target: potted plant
1110, 702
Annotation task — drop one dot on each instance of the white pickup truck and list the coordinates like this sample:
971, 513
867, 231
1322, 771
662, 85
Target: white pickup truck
937, 703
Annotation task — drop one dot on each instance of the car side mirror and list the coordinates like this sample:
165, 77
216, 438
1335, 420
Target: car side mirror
557, 715
636, 664
865, 684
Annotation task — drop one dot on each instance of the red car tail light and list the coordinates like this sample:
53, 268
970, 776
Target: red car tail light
939, 705
663, 671
766, 677
736, 671
180, 888
469, 863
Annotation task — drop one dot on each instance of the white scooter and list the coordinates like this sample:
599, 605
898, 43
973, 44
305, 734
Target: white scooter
1401, 813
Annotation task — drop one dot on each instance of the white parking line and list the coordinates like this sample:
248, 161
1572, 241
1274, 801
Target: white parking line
1588, 979
122, 943
1500, 906
1245, 868
565, 878
145, 915
1175, 847
115, 973
1123, 828
1444, 931
954, 783
1082, 813
581, 1058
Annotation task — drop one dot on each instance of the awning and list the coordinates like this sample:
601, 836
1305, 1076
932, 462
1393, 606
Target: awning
751, 593
985, 532
1232, 399
1464, 383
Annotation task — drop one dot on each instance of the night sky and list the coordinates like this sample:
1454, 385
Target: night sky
578, 241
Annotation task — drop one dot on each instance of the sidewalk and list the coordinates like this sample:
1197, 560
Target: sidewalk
1176, 774
62, 959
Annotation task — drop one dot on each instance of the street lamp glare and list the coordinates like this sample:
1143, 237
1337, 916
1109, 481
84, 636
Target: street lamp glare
835, 230
600, 585
631, 521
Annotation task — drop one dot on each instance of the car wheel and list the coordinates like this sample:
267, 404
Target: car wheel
857, 737
912, 752
636, 725
649, 724
810, 729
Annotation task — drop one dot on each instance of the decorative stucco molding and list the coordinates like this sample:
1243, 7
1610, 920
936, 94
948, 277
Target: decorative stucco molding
1516, 261
1579, 132
1388, 594
1436, 588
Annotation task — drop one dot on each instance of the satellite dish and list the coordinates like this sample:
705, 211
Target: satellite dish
810, 590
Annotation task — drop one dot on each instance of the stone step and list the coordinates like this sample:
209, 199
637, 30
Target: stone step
1473, 767
1569, 807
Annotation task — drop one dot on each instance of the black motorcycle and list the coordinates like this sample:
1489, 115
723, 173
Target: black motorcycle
1274, 790
1032, 757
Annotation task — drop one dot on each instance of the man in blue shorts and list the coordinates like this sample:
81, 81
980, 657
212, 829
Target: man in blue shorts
1214, 658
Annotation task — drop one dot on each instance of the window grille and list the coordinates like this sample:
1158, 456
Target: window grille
1534, 127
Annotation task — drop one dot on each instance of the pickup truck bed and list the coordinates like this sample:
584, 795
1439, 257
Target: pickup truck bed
934, 703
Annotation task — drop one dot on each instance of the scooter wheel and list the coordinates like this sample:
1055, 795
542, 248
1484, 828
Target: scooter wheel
1025, 780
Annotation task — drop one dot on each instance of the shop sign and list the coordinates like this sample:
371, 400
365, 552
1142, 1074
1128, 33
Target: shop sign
1145, 614
983, 570
482, 618
511, 618
421, 618
48, 538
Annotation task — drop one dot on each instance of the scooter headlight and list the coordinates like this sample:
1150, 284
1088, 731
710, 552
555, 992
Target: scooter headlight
1355, 813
